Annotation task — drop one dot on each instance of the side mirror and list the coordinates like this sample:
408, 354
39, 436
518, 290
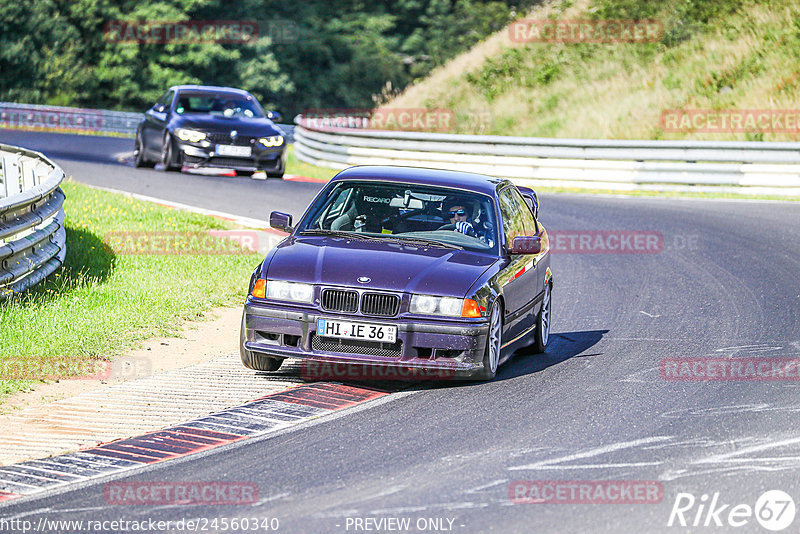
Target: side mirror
531, 199
280, 221
274, 116
529, 244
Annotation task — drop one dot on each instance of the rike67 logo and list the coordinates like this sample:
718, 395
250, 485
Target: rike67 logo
774, 510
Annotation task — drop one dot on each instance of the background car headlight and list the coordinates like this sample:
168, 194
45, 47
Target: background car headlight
275, 140
291, 291
192, 136
428, 305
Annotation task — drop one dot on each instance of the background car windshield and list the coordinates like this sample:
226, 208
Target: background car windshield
405, 211
219, 105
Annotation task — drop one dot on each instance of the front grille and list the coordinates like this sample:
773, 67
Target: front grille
225, 139
380, 304
339, 300
356, 346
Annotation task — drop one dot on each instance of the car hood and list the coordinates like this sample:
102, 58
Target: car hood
245, 126
389, 265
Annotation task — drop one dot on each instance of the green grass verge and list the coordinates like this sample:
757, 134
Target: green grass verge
295, 166
713, 55
101, 303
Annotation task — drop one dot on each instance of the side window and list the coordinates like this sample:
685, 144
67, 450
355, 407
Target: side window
512, 212
165, 100
339, 205
168, 100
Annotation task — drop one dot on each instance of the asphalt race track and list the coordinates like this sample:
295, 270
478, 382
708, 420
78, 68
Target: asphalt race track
723, 283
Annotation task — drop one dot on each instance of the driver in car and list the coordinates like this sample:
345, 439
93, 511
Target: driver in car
458, 217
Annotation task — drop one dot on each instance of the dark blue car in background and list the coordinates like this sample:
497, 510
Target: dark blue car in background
204, 126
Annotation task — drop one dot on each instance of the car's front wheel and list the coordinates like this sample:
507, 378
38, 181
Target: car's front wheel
168, 156
256, 360
139, 159
542, 334
494, 338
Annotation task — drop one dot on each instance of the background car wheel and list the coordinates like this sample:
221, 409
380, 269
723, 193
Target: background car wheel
139, 159
168, 157
494, 338
256, 360
542, 334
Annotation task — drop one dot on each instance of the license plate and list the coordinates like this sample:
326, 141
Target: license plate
347, 330
236, 151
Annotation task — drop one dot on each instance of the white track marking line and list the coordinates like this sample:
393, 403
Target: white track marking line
592, 452
244, 221
727, 456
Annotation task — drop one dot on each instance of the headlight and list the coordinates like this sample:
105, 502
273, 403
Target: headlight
428, 305
275, 140
192, 136
291, 291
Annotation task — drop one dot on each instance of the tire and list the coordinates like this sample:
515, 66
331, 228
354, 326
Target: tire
168, 159
494, 340
139, 159
542, 334
256, 360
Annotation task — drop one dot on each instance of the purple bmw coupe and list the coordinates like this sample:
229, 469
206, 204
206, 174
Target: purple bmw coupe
438, 273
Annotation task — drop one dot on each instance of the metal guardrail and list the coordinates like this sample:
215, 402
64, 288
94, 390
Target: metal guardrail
79, 120
32, 235
756, 167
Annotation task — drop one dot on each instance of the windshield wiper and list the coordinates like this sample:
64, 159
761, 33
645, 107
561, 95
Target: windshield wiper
336, 233
423, 241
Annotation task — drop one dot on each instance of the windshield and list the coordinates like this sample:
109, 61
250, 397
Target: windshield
221, 105
414, 213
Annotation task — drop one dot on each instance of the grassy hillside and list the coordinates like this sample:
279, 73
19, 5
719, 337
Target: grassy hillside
720, 55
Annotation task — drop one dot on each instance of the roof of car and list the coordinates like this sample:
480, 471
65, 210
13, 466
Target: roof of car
466, 181
209, 89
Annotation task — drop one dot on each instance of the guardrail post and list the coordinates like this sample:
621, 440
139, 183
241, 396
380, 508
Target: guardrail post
32, 236
28, 173
13, 179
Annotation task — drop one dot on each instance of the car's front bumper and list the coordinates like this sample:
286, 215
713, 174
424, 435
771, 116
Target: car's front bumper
425, 349
270, 160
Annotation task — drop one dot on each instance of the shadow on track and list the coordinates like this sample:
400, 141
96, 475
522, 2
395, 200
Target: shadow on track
562, 347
